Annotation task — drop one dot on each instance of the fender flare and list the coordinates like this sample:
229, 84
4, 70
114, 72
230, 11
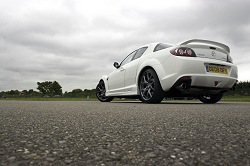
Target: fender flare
150, 63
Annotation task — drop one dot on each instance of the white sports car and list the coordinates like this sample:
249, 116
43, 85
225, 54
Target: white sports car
196, 68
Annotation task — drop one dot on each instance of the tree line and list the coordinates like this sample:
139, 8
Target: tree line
242, 89
54, 89
48, 89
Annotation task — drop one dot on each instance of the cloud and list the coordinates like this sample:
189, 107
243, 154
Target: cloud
75, 42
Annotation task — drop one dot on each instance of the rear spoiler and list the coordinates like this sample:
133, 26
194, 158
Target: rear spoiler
199, 41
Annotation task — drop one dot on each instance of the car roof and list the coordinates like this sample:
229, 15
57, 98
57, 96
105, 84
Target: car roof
151, 46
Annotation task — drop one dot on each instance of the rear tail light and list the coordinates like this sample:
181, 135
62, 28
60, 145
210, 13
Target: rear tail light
188, 52
183, 51
180, 52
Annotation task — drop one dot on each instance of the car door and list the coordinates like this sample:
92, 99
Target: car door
116, 78
131, 70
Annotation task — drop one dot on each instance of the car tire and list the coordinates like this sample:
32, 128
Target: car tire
150, 87
100, 92
210, 99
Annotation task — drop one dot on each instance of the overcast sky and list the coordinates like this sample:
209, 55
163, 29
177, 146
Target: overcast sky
75, 42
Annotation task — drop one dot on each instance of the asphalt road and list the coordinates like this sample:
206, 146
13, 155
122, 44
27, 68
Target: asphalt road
124, 133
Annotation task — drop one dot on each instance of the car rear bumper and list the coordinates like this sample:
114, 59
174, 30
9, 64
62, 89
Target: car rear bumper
195, 69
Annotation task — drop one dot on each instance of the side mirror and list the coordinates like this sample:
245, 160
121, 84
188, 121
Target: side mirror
116, 65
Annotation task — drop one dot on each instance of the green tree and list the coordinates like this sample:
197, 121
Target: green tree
49, 88
242, 88
31, 91
56, 88
91, 93
44, 87
25, 93
74, 93
13, 93
77, 91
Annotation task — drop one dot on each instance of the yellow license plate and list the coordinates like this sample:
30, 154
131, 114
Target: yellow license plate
216, 69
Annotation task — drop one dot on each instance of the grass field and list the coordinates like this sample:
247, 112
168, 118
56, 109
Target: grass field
225, 98
236, 98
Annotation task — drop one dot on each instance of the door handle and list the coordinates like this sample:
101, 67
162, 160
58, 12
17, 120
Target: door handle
122, 69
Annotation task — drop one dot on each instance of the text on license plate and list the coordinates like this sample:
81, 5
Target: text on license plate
216, 69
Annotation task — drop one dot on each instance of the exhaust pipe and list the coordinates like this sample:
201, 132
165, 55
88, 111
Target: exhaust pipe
183, 84
183, 87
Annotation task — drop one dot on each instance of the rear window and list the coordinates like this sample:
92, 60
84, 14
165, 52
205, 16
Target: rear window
161, 46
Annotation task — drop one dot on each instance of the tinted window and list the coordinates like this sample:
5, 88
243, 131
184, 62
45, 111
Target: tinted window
128, 58
161, 46
140, 52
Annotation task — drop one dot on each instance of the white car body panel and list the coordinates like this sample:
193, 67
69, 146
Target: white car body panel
195, 67
169, 68
116, 79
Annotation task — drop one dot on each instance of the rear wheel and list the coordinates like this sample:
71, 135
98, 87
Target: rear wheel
150, 87
210, 99
101, 92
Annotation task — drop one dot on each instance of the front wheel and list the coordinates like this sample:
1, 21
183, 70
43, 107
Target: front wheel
210, 99
150, 87
101, 93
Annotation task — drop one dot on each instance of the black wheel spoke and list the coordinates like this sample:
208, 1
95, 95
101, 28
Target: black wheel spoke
148, 76
149, 93
144, 81
207, 97
98, 90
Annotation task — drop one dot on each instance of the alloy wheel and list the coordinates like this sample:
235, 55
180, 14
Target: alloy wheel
147, 86
100, 91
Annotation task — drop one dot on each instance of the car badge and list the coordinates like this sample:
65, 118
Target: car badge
213, 53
